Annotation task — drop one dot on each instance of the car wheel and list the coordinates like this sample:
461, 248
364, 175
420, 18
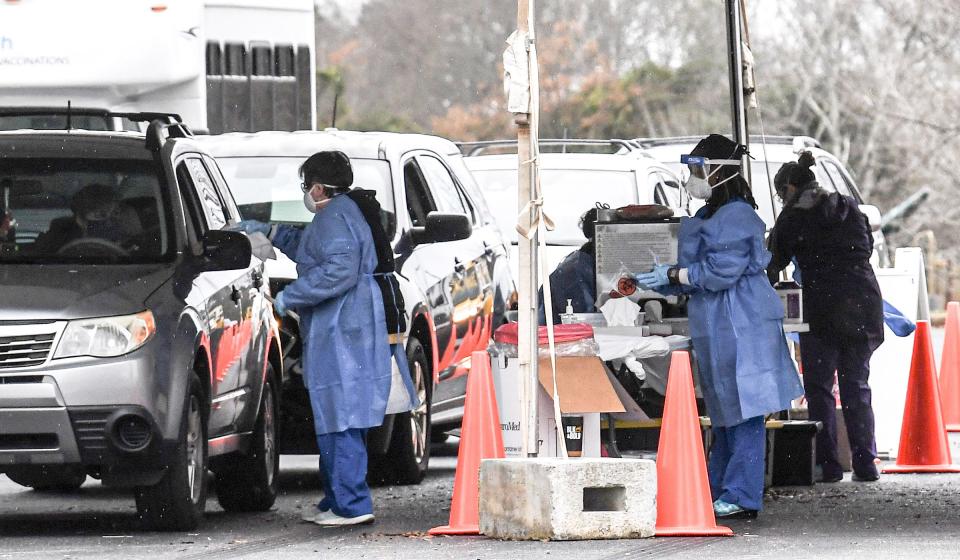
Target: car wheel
49, 478
249, 482
409, 452
176, 503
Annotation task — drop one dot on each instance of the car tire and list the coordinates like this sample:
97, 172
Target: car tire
249, 482
49, 478
408, 456
177, 502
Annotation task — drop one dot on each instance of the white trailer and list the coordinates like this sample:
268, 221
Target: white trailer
222, 65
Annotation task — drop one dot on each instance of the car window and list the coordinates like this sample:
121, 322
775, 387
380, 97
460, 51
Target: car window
87, 211
837, 177
475, 196
445, 191
268, 188
210, 202
188, 192
221, 183
824, 179
419, 201
665, 191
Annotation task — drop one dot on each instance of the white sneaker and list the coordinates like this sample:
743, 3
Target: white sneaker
310, 514
330, 519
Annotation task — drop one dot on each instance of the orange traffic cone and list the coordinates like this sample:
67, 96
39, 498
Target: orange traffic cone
950, 369
684, 507
923, 438
480, 438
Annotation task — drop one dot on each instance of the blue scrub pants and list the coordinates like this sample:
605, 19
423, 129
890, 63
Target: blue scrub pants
343, 461
851, 361
736, 465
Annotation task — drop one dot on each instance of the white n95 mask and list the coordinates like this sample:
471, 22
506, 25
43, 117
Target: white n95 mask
309, 203
699, 187
312, 205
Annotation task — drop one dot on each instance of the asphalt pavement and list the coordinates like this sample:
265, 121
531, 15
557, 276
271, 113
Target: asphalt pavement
900, 516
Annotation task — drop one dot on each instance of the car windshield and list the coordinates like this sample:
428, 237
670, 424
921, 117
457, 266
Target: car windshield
268, 188
567, 194
88, 211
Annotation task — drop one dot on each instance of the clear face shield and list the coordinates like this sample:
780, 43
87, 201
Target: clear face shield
699, 167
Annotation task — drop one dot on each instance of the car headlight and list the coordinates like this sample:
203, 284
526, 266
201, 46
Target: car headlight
106, 337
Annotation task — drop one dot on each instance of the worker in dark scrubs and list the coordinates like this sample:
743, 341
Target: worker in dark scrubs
831, 241
574, 278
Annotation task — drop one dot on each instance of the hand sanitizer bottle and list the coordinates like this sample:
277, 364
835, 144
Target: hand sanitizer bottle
567, 317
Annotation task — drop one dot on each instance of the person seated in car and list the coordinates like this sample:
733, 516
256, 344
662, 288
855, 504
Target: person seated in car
574, 278
97, 213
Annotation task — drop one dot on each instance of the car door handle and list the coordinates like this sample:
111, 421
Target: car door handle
235, 294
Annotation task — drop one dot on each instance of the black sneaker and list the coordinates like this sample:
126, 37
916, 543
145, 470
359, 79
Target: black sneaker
828, 478
866, 477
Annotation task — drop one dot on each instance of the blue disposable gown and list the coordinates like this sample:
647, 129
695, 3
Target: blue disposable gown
736, 318
346, 356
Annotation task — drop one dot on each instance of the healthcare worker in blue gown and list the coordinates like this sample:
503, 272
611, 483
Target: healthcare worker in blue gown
736, 323
831, 241
346, 355
574, 278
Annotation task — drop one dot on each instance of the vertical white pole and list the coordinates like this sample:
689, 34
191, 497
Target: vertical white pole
738, 112
527, 350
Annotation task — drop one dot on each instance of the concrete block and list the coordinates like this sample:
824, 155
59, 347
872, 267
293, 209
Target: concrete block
568, 499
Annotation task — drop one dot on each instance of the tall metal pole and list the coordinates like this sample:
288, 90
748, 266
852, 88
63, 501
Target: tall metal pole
735, 60
527, 348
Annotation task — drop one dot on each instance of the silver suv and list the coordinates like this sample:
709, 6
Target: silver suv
136, 342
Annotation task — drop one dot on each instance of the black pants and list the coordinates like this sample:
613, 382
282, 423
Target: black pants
851, 361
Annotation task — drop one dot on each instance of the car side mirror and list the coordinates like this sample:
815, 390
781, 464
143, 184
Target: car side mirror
442, 227
226, 250
873, 214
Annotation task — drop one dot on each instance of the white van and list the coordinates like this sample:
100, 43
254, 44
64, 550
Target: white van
767, 157
211, 62
611, 172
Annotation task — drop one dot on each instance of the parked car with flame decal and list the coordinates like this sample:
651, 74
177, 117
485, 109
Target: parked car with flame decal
450, 257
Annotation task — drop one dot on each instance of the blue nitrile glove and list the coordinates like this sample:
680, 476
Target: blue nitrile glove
279, 306
797, 277
654, 279
253, 226
898, 323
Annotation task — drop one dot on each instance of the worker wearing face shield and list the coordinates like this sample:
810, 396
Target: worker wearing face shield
736, 322
346, 357
831, 242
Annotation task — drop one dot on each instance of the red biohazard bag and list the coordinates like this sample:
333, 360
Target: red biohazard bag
644, 212
508, 334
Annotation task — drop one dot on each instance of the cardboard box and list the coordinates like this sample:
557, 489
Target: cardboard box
583, 387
